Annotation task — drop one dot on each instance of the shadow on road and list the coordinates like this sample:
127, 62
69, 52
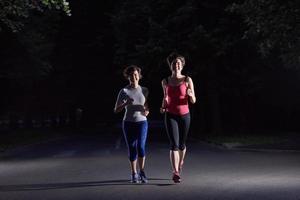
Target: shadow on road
51, 186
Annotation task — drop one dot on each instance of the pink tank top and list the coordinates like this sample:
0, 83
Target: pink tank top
177, 99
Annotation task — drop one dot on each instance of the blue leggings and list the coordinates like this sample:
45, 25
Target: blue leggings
135, 134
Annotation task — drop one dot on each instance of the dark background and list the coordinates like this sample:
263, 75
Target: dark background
243, 58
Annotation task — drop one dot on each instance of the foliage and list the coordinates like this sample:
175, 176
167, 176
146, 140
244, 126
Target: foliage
26, 50
26, 54
14, 12
148, 31
275, 25
221, 62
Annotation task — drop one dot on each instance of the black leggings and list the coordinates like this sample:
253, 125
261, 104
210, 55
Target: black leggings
177, 128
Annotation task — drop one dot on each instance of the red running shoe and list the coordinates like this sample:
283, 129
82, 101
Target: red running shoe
176, 178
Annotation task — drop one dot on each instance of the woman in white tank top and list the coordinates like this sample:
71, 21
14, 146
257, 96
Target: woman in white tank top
133, 98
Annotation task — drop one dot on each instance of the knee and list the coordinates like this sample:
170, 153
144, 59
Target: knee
141, 151
174, 147
132, 154
132, 157
182, 147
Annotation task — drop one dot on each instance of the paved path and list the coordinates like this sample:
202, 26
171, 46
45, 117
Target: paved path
94, 167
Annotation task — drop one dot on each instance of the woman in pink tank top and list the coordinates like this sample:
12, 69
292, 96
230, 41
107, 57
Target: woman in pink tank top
178, 92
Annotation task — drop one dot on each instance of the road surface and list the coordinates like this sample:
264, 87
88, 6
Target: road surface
95, 166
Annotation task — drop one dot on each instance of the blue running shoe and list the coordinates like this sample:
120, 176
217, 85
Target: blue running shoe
143, 177
134, 178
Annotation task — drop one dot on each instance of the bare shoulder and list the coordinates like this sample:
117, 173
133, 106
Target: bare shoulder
189, 79
163, 82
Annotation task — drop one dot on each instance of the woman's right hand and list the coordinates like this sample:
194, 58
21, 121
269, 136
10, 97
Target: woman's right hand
128, 101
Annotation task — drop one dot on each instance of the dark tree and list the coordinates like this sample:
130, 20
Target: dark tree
274, 25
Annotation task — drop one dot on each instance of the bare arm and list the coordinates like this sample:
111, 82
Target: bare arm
191, 91
146, 109
164, 101
145, 92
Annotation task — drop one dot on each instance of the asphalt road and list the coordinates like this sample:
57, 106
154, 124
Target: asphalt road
96, 167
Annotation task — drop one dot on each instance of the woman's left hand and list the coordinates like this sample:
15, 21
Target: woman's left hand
146, 111
189, 92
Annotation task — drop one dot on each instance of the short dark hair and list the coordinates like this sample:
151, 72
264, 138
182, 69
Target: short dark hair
130, 69
173, 56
